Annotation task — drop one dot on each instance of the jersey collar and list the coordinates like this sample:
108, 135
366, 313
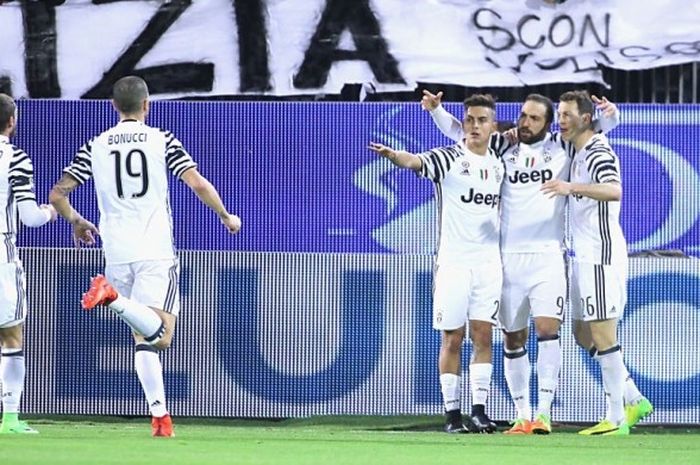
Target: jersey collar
4, 139
463, 145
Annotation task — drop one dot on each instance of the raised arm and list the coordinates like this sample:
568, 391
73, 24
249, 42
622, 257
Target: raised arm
450, 126
208, 194
609, 115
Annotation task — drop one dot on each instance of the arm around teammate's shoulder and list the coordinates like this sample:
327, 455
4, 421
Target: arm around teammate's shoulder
208, 194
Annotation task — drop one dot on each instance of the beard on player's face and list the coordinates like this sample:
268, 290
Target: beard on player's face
527, 136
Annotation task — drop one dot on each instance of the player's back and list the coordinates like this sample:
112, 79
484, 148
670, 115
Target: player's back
129, 168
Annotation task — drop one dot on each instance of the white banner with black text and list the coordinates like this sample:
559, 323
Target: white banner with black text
78, 48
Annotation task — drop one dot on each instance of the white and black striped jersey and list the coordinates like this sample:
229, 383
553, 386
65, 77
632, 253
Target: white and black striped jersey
16, 185
467, 192
129, 164
595, 225
531, 222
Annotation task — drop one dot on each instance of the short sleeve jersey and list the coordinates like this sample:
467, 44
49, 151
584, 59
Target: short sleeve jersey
467, 192
532, 222
129, 164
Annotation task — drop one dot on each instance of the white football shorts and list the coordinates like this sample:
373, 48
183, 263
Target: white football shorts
534, 284
463, 292
13, 295
598, 292
154, 283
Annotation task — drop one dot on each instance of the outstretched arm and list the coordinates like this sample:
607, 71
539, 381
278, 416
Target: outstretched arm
210, 197
83, 230
450, 126
398, 157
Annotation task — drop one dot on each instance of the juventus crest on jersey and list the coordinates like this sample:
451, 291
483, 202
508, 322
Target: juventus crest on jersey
532, 222
129, 165
596, 229
467, 191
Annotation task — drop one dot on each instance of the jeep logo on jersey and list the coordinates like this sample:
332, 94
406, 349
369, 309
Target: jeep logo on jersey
479, 198
524, 177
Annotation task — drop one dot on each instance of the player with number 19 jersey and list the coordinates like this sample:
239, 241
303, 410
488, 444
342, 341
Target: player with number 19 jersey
129, 165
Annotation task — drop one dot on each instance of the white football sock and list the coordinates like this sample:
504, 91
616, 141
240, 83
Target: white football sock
480, 382
139, 317
613, 369
450, 386
516, 365
150, 373
12, 371
631, 393
548, 368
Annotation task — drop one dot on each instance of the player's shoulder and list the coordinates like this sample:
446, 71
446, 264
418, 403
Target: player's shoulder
598, 142
16, 151
453, 150
18, 158
598, 148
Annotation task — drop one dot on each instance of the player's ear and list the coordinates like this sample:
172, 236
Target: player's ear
145, 106
114, 105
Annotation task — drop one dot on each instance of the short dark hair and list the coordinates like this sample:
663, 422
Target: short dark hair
129, 93
547, 102
7, 110
480, 100
582, 99
503, 126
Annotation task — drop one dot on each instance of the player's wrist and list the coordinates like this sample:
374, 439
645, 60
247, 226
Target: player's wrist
76, 219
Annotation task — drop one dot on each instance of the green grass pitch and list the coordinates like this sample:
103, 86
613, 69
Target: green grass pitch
332, 441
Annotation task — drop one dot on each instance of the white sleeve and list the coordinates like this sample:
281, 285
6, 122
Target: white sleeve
605, 124
447, 123
32, 215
